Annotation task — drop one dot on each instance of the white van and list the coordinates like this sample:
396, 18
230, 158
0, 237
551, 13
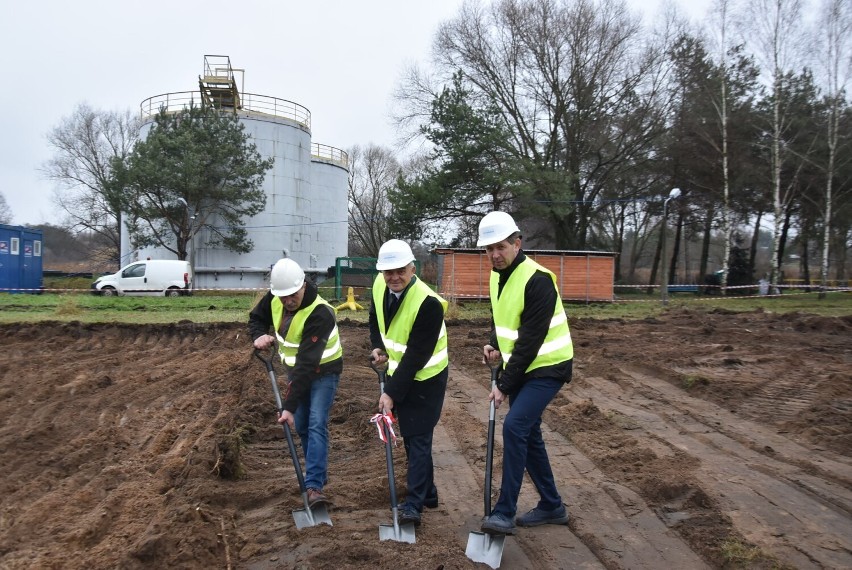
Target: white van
169, 277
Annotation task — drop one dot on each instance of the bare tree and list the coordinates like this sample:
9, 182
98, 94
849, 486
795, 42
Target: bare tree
835, 57
373, 172
5, 210
576, 84
412, 102
85, 145
720, 20
774, 28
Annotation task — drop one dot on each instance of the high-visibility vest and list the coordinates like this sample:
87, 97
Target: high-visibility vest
288, 346
396, 337
507, 309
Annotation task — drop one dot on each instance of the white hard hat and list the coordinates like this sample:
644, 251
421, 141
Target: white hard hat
394, 254
494, 227
286, 277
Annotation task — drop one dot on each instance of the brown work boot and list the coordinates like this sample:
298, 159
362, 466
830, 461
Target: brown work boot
316, 497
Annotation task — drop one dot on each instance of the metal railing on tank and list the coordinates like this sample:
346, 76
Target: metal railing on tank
330, 153
250, 102
218, 66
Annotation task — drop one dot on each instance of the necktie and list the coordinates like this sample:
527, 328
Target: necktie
392, 305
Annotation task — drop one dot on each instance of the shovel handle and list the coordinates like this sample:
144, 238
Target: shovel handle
376, 367
489, 448
280, 405
271, 371
389, 460
299, 475
381, 372
266, 361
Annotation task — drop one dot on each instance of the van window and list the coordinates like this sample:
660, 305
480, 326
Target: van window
137, 270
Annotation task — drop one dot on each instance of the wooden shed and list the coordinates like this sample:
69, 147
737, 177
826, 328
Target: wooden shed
580, 275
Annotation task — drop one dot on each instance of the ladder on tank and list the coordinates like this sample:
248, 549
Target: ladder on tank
218, 85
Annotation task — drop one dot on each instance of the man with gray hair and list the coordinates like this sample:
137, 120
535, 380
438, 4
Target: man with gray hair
407, 332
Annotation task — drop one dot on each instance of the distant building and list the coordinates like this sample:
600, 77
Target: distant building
20, 259
580, 275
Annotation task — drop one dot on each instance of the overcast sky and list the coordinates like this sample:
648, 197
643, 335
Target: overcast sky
340, 59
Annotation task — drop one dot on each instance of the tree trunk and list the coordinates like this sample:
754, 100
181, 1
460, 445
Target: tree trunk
705, 244
782, 241
755, 237
619, 242
840, 237
777, 255
804, 267
657, 262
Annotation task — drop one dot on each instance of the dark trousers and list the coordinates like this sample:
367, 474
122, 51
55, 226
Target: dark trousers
523, 447
421, 471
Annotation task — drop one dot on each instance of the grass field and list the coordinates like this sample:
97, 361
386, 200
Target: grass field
207, 306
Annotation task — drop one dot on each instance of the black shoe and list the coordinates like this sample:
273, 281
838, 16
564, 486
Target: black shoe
408, 514
431, 502
537, 517
498, 523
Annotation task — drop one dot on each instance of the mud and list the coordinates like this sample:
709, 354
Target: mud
694, 440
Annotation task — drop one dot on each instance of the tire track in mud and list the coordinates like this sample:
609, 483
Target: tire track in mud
460, 442
775, 400
611, 526
792, 501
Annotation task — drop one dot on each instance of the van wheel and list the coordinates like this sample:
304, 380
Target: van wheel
172, 292
109, 292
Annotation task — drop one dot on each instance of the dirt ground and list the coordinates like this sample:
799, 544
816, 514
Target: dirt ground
693, 440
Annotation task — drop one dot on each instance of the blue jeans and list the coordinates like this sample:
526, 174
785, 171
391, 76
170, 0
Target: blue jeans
311, 420
523, 447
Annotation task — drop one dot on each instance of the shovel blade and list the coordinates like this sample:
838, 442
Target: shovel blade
485, 548
311, 517
404, 534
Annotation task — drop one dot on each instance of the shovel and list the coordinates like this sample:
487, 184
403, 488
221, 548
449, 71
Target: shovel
481, 546
395, 531
308, 516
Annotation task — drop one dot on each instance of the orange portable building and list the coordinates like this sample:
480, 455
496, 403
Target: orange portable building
580, 275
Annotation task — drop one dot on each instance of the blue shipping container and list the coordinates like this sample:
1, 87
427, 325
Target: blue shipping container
20, 260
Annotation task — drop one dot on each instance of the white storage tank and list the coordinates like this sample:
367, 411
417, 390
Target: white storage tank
329, 209
306, 189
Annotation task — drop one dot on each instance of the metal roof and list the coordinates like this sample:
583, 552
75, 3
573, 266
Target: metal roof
566, 252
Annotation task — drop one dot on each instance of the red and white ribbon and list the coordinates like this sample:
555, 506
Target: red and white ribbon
386, 419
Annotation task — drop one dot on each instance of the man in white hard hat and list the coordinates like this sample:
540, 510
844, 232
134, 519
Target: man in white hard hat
530, 337
407, 331
305, 327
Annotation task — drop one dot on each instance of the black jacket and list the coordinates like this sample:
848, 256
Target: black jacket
318, 328
539, 298
417, 404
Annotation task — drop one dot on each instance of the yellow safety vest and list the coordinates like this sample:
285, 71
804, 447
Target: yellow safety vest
288, 346
396, 337
507, 309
